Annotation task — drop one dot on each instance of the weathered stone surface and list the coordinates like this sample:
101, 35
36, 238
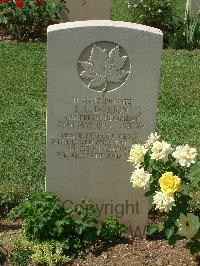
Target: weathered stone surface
87, 10
103, 80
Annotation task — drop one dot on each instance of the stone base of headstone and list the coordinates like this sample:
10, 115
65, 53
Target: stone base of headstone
87, 10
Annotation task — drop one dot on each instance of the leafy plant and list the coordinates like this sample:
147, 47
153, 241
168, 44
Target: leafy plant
43, 216
20, 257
44, 221
28, 19
187, 35
35, 253
50, 253
164, 170
111, 230
155, 13
84, 230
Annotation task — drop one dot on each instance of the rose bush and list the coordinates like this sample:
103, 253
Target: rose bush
165, 172
28, 19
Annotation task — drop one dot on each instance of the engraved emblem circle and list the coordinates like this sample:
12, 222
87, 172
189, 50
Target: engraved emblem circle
104, 66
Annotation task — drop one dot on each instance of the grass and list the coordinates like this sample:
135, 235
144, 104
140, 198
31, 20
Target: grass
120, 10
23, 99
178, 119
23, 105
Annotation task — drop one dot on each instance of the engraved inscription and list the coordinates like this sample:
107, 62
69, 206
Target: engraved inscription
98, 128
103, 66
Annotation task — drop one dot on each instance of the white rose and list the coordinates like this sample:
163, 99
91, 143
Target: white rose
140, 178
188, 226
163, 201
161, 151
185, 155
136, 155
153, 137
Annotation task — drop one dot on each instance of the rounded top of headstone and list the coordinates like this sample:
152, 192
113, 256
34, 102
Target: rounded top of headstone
103, 23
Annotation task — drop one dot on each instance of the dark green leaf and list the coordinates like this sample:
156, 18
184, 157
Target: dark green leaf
169, 232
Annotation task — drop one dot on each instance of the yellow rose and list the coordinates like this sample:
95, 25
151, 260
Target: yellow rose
170, 183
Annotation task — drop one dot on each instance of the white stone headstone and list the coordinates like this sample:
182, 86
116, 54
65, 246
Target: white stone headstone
103, 81
87, 10
193, 7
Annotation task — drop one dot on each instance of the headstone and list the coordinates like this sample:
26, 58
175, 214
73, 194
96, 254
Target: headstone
193, 7
87, 10
103, 80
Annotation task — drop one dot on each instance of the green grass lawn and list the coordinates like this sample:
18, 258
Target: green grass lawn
23, 100
23, 107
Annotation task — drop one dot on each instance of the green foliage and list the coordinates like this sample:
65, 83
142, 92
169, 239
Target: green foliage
74, 228
20, 257
165, 15
187, 35
44, 217
28, 19
152, 228
121, 10
194, 246
50, 253
155, 13
3, 251
22, 130
35, 253
111, 230
83, 233
85, 223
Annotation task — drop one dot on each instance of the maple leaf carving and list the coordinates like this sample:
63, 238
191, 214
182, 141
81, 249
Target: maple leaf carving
104, 67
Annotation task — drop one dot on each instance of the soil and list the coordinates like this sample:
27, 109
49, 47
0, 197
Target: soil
128, 252
4, 36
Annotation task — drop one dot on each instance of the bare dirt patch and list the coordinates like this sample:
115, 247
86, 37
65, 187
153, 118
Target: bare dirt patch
127, 252
4, 36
